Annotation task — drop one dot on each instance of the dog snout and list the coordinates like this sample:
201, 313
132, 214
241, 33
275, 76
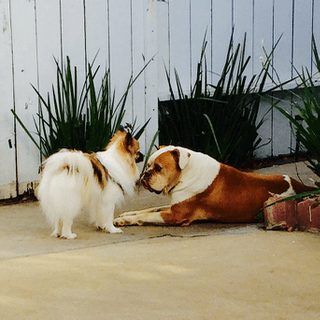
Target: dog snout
145, 176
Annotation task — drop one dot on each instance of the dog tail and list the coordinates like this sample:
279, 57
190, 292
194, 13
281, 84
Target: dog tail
298, 187
71, 163
61, 188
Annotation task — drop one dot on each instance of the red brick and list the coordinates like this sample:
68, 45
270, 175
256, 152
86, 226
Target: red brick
308, 215
280, 215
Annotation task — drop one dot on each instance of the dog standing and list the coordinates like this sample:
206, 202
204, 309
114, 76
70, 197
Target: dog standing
201, 188
73, 180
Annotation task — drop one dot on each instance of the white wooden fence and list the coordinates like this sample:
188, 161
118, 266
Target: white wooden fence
127, 33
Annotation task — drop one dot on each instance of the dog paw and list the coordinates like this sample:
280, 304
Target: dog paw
120, 222
68, 236
127, 221
55, 234
112, 229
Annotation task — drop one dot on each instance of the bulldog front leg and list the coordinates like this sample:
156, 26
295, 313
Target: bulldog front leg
141, 217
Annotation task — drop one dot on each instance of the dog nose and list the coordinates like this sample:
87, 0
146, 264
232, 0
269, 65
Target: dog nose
146, 175
139, 157
144, 178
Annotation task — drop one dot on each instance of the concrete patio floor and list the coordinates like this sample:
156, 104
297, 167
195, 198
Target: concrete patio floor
204, 271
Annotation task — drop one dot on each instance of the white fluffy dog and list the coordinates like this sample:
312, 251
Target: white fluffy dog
72, 180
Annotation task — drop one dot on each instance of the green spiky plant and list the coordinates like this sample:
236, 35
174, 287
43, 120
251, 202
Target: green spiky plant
220, 120
84, 120
307, 105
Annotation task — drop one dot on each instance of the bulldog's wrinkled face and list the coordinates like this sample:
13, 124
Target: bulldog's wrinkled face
163, 172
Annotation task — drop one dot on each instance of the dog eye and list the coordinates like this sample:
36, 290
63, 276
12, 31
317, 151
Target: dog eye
157, 168
139, 157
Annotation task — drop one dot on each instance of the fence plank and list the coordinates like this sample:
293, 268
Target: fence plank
180, 41
283, 29
7, 157
150, 78
200, 25
49, 43
24, 55
164, 43
97, 33
266, 130
243, 23
262, 32
120, 48
222, 21
73, 44
283, 142
139, 58
302, 34
48, 38
316, 29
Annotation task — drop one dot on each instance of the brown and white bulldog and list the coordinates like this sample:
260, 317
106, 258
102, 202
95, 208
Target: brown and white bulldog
201, 188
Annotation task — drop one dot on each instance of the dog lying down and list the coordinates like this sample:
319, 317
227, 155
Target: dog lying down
201, 188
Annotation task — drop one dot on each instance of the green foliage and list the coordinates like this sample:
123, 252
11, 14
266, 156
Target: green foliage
149, 151
84, 121
308, 107
220, 120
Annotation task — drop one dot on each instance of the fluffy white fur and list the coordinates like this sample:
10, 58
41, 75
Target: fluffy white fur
117, 169
63, 193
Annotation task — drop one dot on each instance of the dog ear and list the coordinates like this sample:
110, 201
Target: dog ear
182, 157
128, 141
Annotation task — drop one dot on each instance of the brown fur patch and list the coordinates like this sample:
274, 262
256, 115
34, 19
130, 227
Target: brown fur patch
298, 187
233, 196
127, 146
164, 173
99, 171
176, 156
120, 134
69, 170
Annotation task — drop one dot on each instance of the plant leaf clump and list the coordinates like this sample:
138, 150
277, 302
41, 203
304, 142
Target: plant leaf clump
83, 121
307, 106
220, 120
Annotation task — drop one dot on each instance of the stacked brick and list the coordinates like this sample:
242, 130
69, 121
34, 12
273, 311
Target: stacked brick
300, 214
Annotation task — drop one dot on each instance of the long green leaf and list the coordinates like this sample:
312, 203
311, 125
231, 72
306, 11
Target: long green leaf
25, 129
